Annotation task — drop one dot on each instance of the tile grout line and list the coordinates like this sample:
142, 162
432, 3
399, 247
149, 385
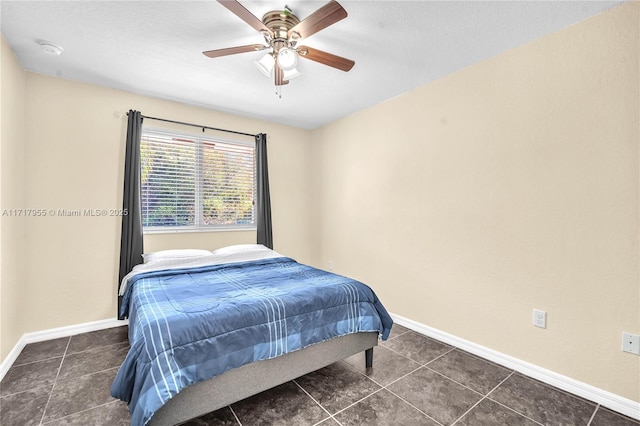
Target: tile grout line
98, 347
515, 411
420, 366
457, 382
395, 337
22, 391
61, 356
594, 414
80, 412
46, 406
235, 415
355, 403
385, 387
313, 399
555, 388
488, 396
481, 399
413, 406
332, 416
396, 380
451, 348
33, 362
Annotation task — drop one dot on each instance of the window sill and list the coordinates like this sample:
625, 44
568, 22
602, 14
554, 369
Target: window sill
198, 230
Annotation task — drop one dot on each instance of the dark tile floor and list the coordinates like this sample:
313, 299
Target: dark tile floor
415, 381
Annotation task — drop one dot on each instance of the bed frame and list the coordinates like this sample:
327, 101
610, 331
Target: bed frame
243, 382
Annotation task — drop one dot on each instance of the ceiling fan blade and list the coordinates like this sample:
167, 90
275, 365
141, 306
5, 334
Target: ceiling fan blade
279, 76
327, 15
233, 50
241, 12
326, 58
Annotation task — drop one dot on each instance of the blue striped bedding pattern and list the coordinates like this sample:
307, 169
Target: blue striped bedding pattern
193, 324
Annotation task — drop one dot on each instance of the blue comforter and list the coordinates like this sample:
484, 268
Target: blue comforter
189, 325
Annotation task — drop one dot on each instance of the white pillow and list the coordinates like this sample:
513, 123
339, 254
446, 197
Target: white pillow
174, 254
243, 253
239, 248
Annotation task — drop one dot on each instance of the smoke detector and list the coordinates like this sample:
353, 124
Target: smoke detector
50, 48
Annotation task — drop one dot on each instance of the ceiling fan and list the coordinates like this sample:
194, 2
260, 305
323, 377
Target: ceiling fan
282, 30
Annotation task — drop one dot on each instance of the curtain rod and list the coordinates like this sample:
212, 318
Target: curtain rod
197, 125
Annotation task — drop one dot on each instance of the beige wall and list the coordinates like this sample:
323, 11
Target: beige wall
74, 150
510, 185
12, 176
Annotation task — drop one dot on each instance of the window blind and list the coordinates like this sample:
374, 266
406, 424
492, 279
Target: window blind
195, 182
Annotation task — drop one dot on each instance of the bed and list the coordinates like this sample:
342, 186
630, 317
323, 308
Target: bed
211, 328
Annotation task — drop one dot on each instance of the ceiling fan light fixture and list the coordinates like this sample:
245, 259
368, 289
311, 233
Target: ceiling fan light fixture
266, 64
289, 74
287, 59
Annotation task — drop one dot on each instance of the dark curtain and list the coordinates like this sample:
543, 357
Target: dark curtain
263, 212
131, 238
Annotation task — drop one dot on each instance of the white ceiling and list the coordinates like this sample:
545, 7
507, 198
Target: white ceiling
155, 48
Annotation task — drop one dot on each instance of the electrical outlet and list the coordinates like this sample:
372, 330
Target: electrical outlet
631, 343
539, 318
331, 265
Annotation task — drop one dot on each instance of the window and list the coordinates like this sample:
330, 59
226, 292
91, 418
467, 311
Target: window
193, 182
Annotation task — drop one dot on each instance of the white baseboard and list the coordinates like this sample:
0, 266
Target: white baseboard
607, 399
55, 333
